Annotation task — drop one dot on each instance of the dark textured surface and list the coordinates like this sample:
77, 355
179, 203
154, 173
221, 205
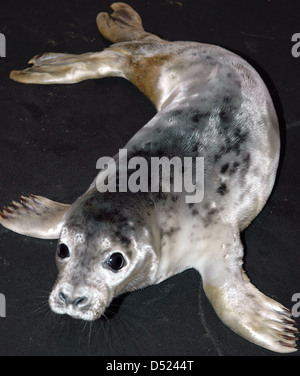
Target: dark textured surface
52, 136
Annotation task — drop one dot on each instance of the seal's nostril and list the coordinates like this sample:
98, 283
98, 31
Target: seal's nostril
80, 302
64, 298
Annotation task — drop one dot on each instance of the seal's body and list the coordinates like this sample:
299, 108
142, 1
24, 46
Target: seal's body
210, 104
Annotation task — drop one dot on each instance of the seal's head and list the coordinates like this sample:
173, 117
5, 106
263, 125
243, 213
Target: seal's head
105, 249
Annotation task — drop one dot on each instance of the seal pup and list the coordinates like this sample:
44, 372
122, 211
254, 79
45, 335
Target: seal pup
211, 103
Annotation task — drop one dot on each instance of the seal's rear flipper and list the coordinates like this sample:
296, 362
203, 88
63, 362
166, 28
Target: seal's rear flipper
60, 68
34, 216
123, 25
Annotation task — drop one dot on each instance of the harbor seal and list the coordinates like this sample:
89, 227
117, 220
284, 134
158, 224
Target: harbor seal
211, 104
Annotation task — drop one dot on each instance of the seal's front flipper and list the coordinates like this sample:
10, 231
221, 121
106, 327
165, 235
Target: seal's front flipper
34, 216
254, 316
243, 308
238, 303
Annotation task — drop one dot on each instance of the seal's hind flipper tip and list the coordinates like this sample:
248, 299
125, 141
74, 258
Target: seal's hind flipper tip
14, 75
124, 24
127, 15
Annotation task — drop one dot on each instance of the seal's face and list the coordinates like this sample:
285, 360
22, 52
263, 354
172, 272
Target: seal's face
98, 260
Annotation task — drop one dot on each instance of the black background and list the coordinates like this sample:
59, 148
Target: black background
52, 136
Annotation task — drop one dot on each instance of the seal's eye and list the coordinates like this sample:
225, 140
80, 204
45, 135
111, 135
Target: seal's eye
63, 251
116, 261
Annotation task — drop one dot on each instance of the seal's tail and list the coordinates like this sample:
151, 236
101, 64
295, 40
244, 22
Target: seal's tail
123, 25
